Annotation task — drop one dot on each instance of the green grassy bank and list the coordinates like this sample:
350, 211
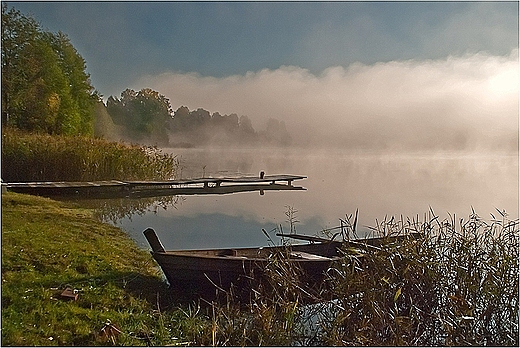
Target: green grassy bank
47, 246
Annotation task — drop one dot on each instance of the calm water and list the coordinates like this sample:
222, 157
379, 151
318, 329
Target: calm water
338, 183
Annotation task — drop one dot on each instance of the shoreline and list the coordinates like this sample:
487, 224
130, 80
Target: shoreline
48, 246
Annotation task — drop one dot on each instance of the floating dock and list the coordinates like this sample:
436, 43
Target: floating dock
116, 188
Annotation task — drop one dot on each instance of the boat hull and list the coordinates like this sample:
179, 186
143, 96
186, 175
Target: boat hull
211, 271
199, 272
206, 273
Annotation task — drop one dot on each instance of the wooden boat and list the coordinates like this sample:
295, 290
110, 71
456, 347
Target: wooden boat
205, 272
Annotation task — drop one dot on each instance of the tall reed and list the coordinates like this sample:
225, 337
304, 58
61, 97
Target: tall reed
41, 157
455, 285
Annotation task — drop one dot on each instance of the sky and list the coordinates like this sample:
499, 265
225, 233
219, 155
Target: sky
376, 71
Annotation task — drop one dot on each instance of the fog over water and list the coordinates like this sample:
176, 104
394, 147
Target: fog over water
465, 102
371, 129
338, 183
390, 139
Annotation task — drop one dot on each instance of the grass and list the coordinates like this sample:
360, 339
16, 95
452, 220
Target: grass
41, 157
456, 286
47, 246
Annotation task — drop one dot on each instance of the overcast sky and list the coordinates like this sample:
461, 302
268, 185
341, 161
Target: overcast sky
352, 63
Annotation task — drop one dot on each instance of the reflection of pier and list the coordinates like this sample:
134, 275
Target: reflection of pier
197, 186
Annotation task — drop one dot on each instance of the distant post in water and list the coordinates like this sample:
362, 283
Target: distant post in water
262, 174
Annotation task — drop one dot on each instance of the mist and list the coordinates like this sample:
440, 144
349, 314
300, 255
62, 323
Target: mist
465, 102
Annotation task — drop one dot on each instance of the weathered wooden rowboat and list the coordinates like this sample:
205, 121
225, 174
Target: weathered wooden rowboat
209, 270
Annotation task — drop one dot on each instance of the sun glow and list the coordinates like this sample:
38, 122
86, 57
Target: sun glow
504, 83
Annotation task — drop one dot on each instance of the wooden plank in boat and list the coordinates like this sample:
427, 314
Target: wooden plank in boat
308, 256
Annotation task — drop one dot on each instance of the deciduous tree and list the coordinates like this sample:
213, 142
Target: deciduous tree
145, 114
45, 86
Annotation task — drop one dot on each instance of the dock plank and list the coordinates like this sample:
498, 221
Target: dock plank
58, 187
214, 180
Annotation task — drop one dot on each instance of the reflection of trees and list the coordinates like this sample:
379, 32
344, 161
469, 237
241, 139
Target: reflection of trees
115, 209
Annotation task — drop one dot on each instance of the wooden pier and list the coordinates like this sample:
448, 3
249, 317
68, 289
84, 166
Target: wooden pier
116, 188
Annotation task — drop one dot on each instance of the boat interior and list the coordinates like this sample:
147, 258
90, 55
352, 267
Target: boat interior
314, 251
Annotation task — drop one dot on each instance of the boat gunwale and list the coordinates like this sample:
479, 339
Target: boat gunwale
269, 250
245, 258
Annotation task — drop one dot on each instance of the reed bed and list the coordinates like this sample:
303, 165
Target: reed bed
456, 285
41, 157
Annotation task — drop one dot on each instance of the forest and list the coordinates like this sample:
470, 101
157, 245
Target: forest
46, 89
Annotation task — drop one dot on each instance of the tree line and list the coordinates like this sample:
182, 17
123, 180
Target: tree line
46, 89
201, 127
147, 116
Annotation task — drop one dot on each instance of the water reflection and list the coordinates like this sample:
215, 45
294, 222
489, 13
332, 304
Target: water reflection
338, 183
115, 210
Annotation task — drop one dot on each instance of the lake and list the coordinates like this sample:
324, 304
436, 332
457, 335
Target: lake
338, 182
